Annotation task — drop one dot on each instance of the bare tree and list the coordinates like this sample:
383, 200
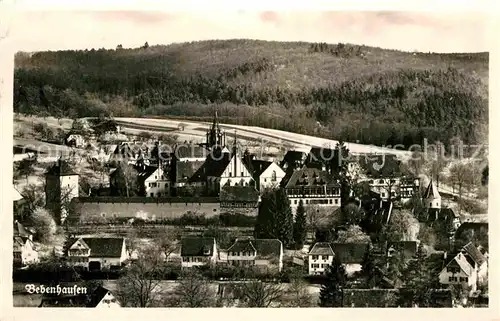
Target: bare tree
193, 291
140, 285
257, 294
402, 226
33, 195
462, 176
353, 234
298, 294
167, 243
44, 225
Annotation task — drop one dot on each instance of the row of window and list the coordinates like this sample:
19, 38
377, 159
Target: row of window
242, 254
455, 279
317, 266
192, 259
155, 184
313, 191
323, 257
318, 201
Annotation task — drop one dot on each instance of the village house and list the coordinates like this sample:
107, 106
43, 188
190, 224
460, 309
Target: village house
99, 298
61, 186
313, 187
263, 254
320, 258
24, 251
154, 181
103, 298
351, 256
383, 174
95, 253
198, 251
468, 267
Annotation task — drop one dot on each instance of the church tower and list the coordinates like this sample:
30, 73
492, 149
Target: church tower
215, 137
431, 197
61, 186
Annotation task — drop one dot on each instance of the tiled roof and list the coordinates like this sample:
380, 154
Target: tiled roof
216, 164
431, 191
60, 168
350, 253
377, 166
463, 263
239, 194
102, 246
187, 170
321, 248
474, 253
97, 296
146, 171
242, 246
265, 248
196, 246
257, 167
310, 177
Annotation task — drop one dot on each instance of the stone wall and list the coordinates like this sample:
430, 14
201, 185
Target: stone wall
87, 210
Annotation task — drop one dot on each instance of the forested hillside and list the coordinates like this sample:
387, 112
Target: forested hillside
340, 91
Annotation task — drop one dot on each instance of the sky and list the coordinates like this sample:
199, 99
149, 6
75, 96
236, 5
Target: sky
79, 29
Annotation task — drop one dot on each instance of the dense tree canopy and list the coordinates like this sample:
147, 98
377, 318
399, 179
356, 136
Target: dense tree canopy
377, 96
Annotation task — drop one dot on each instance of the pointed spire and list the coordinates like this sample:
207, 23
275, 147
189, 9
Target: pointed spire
431, 191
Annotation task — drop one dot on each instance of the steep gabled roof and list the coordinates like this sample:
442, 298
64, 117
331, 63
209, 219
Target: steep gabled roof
431, 191
97, 296
188, 171
196, 246
474, 253
321, 248
265, 248
101, 246
310, 177
257, 167
462, 262
145, 172
215, 165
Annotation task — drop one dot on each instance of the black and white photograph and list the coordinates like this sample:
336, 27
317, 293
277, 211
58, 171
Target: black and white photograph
249, 159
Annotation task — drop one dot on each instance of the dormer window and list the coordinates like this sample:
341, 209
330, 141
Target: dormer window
206, 251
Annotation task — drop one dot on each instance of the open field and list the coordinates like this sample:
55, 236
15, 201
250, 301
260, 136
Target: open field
264, 135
